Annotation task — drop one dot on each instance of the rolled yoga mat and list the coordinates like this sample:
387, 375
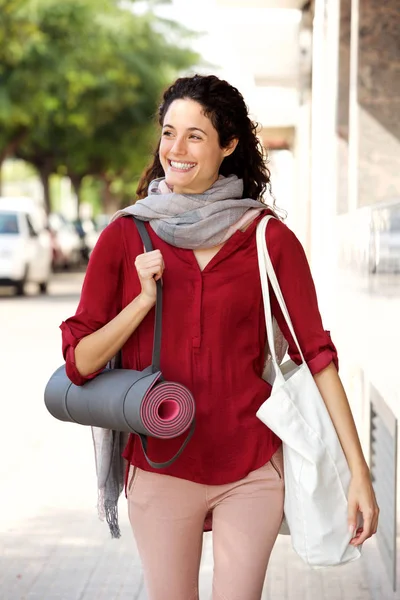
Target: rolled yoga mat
124, 400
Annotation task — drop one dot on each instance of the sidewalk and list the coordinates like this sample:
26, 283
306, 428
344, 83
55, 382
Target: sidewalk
67, 554
52, 546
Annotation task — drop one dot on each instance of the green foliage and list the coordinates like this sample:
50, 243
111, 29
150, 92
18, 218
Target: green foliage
79, 86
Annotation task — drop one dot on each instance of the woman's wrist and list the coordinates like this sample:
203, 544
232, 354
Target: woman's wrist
145, 302
359, 468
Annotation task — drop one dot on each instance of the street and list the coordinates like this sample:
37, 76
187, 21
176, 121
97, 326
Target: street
52, 545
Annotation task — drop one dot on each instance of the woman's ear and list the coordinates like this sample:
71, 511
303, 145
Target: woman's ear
231, 147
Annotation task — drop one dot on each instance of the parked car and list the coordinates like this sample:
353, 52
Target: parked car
89, 235
25, 245
66, 242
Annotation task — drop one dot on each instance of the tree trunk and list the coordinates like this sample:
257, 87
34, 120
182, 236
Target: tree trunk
1, 180
45, 173
76, 181
110, 201
10, 148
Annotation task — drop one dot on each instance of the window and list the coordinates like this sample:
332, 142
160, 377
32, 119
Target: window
9, 223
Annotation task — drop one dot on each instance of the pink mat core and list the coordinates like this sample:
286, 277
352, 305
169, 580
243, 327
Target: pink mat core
168, 410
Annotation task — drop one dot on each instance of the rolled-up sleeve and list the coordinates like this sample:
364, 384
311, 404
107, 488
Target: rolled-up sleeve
100, 297
298, 289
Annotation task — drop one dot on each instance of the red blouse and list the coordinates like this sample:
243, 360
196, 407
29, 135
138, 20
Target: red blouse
213, 339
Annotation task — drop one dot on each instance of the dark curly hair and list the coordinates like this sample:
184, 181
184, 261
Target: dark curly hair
224, 105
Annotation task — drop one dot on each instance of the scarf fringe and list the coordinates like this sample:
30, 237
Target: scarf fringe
109, 513
112, 520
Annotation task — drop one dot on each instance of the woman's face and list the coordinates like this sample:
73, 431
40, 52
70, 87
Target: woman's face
190, 153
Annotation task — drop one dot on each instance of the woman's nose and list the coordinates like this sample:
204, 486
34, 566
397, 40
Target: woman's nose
179, 146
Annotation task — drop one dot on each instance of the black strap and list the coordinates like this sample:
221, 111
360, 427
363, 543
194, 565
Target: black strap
167, 463
148, 246
155, 366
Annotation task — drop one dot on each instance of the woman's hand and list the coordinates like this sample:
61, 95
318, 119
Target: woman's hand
150, 267
362, 499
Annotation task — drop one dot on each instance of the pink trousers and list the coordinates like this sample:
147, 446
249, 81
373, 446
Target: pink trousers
167, 517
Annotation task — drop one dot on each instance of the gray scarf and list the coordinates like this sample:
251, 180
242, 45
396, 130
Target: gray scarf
108, 447
110, 470
193, 220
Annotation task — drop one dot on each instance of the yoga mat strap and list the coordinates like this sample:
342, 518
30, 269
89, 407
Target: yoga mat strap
155, 363
148, 246
168, 463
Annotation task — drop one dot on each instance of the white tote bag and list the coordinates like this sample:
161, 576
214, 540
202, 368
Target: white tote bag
317, 475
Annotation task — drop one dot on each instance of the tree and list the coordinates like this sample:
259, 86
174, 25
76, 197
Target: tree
146, 64
18, 31
98, 75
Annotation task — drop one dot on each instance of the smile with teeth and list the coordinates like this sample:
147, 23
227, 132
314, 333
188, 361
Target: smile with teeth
182, 166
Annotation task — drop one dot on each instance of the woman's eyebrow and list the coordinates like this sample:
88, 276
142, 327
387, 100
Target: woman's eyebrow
189, 128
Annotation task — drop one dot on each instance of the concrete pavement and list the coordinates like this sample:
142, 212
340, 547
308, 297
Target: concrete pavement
52, 546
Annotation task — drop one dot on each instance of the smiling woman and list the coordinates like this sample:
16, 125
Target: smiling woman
201, 199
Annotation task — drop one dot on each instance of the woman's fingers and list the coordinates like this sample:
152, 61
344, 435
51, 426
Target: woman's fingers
150, 272
149, 260
363, 533
369, 527
362, 500
150, 268
150, 264
149, 255
352, 515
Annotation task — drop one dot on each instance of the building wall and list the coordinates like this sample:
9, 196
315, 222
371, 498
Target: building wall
379, 101
343, 106
355, 210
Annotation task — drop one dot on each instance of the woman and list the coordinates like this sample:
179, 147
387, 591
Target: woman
202, 198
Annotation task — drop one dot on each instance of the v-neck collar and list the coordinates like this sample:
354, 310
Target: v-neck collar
231, 245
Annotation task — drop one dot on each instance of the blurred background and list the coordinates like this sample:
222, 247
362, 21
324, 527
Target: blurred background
80, 82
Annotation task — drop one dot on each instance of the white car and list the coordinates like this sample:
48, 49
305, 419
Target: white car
67, 245
25, 245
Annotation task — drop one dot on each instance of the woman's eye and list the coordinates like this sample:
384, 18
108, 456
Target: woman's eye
195, 137
167, 133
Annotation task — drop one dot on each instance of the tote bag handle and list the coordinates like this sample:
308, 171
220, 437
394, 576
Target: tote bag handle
267, 272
